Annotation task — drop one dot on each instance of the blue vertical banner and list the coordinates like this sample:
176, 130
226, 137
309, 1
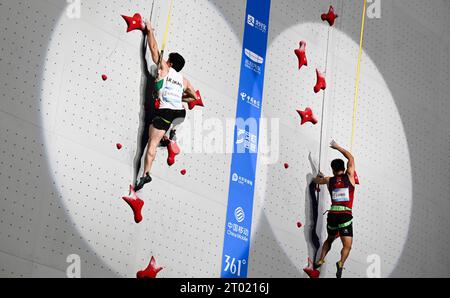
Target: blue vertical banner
245, 149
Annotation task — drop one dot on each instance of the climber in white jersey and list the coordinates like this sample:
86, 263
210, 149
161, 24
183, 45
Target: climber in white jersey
173, 89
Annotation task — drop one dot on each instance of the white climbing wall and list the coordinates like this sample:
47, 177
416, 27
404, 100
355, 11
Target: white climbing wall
62, 178
401, 144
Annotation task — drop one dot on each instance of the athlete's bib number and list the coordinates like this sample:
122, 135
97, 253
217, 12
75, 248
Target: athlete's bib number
171, 94
341, 195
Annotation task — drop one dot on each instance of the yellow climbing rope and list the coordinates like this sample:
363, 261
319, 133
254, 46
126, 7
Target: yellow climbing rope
166, 33
358, 75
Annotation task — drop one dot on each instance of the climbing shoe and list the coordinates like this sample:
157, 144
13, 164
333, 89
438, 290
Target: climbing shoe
164, 142
339, 268
142, 181
173, 135
318, 265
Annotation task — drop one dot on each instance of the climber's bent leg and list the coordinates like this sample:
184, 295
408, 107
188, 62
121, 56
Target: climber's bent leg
346, 248
156, 135
325, 249
176, 117
346, 234
176, 124
341, 224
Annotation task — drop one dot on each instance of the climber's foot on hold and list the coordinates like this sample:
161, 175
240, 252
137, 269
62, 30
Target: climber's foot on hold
339, 268
164, 142
318, 265
172, 135
142, 181
312, 273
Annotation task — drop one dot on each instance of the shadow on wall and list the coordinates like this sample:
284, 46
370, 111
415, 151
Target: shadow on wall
312, 213
269, 259
147, 107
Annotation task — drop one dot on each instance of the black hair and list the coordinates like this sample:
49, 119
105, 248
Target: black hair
338, 165
177, 61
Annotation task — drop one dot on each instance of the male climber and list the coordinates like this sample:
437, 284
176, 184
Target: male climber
173, 89
339, 222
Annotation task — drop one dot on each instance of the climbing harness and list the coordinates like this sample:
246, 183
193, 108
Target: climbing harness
337, 208
340, 226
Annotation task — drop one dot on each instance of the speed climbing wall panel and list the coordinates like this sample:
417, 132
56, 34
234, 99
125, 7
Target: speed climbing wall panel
70, 202
395, 156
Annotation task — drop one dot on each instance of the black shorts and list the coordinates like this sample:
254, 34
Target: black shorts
164, 118
340, 224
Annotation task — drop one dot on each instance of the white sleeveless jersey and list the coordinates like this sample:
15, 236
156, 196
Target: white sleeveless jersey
171, 93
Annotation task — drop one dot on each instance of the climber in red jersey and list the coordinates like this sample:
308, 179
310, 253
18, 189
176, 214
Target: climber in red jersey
340, 220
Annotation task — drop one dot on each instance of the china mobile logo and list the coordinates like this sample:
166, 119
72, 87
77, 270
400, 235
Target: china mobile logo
239, 214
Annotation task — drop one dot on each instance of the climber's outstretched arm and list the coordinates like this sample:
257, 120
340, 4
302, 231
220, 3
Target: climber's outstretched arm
321, 180
348, 156
154, 50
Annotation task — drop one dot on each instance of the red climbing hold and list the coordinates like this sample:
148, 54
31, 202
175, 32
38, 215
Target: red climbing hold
310, 271
104, 77
183, 172
356, 178
173, 151
157, 104
197, 102
321, 82
307, 116
330, 17
286, 165
119, 146
151, 271
135, 204
301, 55
314, 274
134, 23
299, 225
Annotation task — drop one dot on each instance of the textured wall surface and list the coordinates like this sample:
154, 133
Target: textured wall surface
62, 179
